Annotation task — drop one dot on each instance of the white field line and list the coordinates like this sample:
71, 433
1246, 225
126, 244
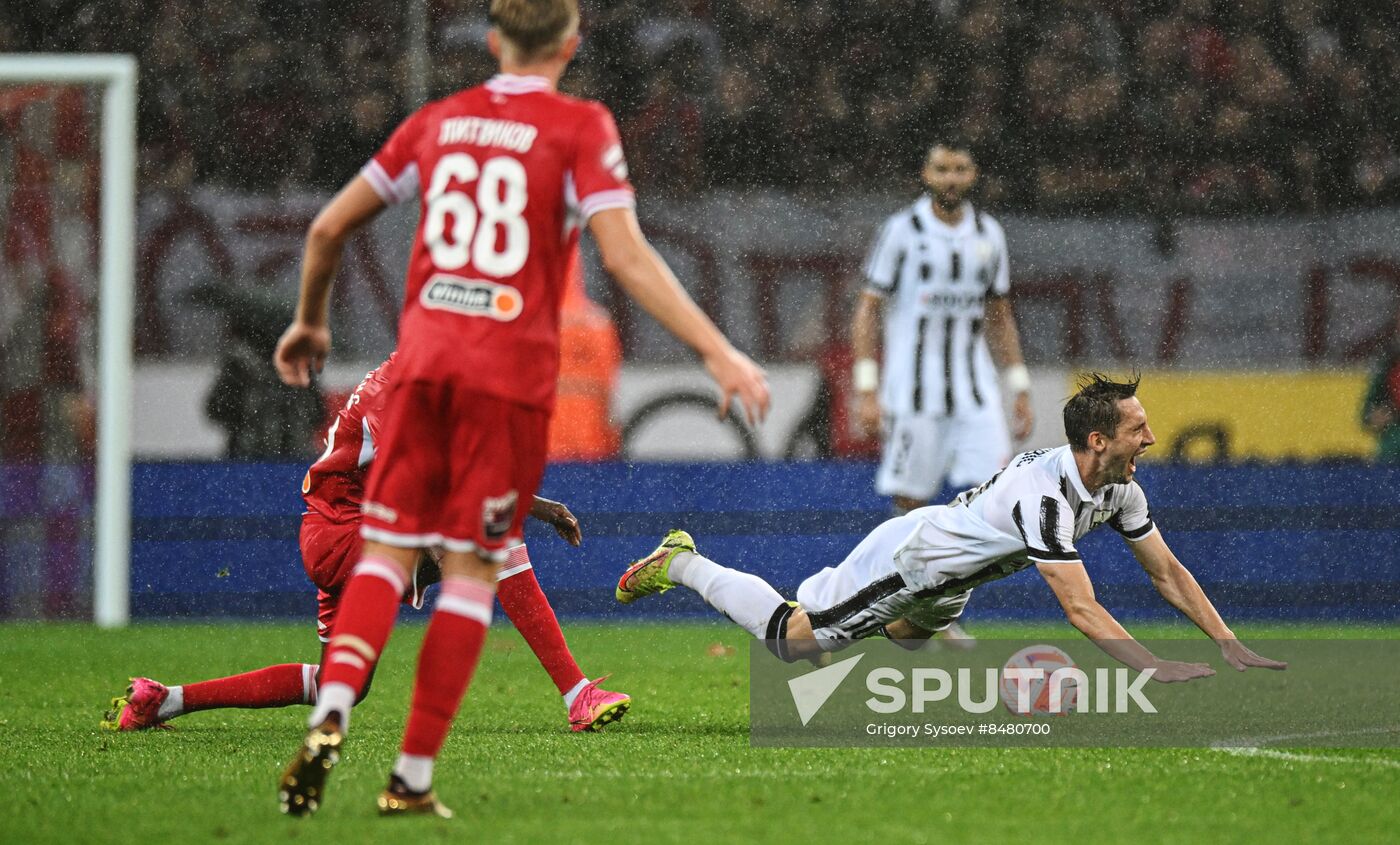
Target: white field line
663, 774
1298, 757
1256, 741
1250, 747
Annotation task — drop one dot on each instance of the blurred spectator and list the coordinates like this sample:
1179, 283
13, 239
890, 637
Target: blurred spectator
263, 418
668, 130
1163, 106
346, 141
1377, 170
1380, 410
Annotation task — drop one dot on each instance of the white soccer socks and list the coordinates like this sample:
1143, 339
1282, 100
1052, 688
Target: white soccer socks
173, 705
416, 771
332, 698
746, 599
573, 693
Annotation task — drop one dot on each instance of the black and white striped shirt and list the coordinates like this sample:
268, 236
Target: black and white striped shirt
936, 280
1032, 511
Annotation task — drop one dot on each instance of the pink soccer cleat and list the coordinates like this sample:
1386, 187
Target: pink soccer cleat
139, 709
595, 707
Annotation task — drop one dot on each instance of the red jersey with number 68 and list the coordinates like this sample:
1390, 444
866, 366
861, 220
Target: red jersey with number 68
506, 173
334, 486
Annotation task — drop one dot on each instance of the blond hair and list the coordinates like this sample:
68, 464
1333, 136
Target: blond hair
534, 28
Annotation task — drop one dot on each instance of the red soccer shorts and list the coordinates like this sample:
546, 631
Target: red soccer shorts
329, 551
454, 468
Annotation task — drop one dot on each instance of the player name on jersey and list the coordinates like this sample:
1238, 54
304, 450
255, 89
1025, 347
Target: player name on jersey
486, 132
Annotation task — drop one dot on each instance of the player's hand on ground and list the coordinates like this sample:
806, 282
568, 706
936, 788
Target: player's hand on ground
1022, 417
737, 375
868, 413
1176, 671
1242, 658
302, 348
559, 516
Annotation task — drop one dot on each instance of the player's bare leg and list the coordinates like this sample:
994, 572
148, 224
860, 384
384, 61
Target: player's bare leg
903, 629
446, 662
366, 618
799, 641
955, 636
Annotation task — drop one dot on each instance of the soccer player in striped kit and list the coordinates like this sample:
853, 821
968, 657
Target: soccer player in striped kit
939, 276
912, 575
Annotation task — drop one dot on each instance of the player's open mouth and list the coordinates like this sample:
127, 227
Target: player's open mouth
1132, 462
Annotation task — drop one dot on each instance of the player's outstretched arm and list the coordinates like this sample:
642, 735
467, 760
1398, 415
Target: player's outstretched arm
558, 515
1072, 587
1176, 584
306, 341
646, 278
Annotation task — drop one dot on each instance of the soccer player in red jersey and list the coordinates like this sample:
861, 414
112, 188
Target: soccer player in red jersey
330, 547
509, 171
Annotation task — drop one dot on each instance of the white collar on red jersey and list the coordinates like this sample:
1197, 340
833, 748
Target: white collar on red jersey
510, 83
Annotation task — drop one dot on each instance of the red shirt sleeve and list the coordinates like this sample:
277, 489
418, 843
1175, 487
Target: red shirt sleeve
393, 171
600, 170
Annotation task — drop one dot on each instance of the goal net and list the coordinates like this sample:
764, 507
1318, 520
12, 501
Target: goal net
67, 137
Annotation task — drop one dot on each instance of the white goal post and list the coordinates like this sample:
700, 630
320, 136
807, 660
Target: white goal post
111, 564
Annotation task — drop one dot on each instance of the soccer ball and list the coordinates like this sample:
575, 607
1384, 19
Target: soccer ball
1047, 658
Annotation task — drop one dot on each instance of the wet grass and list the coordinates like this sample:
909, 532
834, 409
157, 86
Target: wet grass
678, 768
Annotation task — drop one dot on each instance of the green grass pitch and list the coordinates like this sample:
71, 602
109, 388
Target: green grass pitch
679, 768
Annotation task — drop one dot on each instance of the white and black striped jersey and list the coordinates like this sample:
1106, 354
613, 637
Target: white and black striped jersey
1032, 511
936, 279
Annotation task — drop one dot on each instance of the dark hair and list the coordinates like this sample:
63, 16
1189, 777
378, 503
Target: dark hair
534, 26
1094, 407
950, 141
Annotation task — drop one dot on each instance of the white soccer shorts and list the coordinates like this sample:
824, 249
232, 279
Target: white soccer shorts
920, 451
852, 600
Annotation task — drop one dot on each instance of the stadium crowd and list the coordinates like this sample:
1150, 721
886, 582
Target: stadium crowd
1174, 106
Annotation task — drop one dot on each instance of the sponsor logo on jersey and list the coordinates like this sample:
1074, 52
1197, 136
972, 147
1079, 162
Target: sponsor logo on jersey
932, 300
472, 297
498, 513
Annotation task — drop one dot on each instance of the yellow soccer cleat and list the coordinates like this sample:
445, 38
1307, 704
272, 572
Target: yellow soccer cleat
648, 575
397, 800
303, 785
